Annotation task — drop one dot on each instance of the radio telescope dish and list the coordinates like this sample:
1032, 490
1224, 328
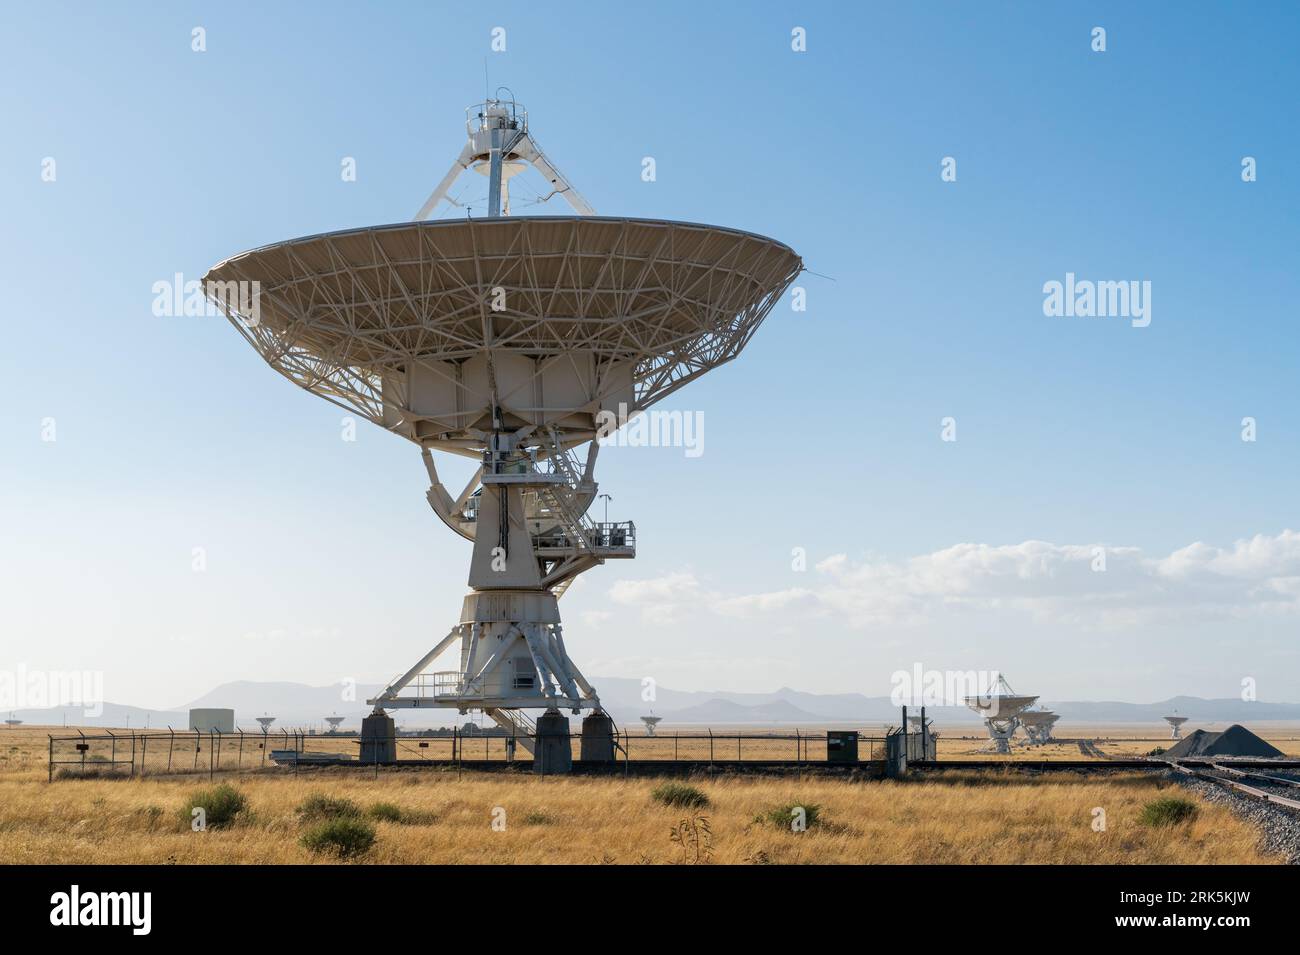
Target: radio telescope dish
650, 723
334, 722
1038, 725
1001, 707
265, 722
1176, 726
400, 324
516, 342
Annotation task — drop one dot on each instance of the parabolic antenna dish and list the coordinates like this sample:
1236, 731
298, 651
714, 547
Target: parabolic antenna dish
514, 342
426, 327
1000, 702
1000, 705
1037, 717
1176, 720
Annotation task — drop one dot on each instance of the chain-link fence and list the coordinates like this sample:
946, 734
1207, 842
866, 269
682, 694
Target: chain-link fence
128, 753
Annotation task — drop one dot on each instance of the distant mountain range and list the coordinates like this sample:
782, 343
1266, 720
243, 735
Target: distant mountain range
299, 705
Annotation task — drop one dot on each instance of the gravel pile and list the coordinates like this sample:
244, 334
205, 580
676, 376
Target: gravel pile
1236, 740
1279, 828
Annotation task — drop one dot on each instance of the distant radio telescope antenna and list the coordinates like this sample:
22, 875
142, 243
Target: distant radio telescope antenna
518, 343
12, 721
334, 722
1176, 726
1038, 725
266, 722
1001, 707
650, 722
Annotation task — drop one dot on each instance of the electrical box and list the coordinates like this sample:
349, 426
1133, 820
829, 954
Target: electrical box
841, 746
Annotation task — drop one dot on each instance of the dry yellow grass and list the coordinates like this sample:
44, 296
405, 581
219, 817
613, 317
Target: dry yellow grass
959, 818
952, 818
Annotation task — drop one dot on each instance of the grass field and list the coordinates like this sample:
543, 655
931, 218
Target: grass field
953, 817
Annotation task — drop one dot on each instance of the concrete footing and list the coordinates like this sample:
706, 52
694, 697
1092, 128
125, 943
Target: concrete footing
597, 739
378, 739
553, 752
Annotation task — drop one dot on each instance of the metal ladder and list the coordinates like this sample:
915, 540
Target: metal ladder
518, 723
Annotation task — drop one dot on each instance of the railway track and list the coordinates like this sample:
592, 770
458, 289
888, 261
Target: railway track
1277, 790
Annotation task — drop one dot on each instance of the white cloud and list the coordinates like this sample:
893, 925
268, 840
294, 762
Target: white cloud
1260, 558
660, 598
670, 588
1049, 583
595, 618
750, 605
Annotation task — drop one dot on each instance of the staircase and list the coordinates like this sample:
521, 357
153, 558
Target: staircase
577, 529
518, 724
562, 500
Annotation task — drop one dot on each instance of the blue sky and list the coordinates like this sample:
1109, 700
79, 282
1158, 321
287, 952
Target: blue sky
825, 435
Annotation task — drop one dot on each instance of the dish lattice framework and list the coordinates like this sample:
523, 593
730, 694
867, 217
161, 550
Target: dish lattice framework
337, 312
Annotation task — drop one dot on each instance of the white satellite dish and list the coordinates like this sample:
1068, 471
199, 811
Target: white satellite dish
1176, 726
1038, 725
1001, 707
515, 342
650, 723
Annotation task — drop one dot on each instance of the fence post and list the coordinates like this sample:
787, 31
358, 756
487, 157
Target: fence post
133, 752
170, 746
144, 751
51, 779
710, 747
211, 756
925, 746
84, 744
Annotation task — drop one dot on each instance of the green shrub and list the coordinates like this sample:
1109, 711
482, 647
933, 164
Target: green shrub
538, 818
679, 794
1167, 811
783, 817
343, 836
385, 812
318, 806
221, 806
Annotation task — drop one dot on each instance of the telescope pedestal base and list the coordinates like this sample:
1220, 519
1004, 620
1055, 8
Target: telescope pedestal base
598, 739
378, 739
553, 752
1000, 732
